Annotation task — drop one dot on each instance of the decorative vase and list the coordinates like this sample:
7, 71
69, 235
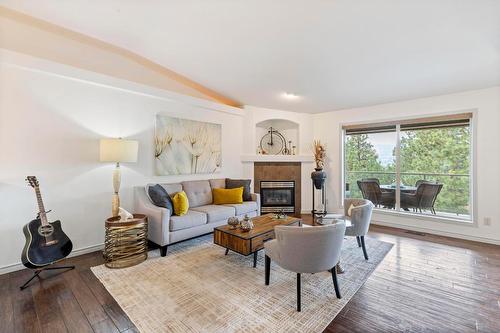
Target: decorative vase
318, 177
246, 224
233, 222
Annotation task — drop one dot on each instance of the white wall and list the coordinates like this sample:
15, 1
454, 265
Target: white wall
51, 119
486, 105
255, 115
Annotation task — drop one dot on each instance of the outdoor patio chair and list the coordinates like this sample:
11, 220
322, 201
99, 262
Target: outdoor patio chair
421, 181
371, 179
424, 197
371, 191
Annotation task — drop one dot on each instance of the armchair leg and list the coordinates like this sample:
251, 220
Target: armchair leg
267, 270
359, 242
298, 292
163, 250
336, 283
362, 238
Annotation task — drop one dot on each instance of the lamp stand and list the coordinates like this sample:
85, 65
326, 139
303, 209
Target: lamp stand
115, 203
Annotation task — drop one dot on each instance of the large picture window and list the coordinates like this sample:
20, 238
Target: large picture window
420, 166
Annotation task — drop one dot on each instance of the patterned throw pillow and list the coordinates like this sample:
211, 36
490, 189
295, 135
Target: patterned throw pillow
160, 197
245, 183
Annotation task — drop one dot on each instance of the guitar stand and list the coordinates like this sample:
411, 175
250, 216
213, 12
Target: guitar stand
38, 271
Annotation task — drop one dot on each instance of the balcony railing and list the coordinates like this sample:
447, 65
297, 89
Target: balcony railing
453, 199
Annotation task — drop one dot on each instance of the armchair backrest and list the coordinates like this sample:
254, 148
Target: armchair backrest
371, 180
421, 181
427, 193
310, 249
370, 190
361, 215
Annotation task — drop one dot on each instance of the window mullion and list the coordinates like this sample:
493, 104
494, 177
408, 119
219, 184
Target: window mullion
398, 173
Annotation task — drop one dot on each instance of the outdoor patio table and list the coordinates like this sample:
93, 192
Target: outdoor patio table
406, 189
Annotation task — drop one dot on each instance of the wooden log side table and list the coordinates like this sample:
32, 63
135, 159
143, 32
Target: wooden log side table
125, 242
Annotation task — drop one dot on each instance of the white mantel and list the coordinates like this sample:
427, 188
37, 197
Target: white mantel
277, 158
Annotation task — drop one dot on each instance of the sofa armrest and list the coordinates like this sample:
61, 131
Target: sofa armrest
256, 198
158, 217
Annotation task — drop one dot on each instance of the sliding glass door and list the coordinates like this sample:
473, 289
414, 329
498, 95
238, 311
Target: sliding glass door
421, 166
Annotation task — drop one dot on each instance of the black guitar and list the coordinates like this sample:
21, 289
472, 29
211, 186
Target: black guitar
46, 243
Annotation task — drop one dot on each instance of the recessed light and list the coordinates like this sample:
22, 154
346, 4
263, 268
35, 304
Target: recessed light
290, 96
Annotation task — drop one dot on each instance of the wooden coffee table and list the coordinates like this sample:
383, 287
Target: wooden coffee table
250, 242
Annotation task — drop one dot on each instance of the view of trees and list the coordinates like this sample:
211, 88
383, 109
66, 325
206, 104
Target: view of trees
441, 155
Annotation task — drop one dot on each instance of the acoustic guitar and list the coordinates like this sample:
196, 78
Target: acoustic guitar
46, 243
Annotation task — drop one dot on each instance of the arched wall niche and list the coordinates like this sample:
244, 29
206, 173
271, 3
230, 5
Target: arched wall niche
288, 128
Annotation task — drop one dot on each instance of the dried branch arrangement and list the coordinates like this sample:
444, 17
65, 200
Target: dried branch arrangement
319, 151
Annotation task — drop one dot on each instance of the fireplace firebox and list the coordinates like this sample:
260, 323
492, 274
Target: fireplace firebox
277, 196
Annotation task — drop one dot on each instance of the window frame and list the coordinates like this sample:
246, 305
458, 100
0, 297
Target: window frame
397, 122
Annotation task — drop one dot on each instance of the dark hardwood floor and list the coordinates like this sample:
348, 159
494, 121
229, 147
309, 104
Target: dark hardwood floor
425, 284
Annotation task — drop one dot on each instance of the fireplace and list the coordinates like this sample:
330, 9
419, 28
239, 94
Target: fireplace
277, 196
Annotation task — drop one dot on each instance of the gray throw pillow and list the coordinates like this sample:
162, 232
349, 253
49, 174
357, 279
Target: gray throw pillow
245, 183
160, 197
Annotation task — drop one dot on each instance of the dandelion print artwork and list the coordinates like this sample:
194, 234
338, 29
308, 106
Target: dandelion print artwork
186, 146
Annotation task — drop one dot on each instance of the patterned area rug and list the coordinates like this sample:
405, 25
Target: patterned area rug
196, 288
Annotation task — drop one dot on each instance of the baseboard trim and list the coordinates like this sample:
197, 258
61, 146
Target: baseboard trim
437, 232
84, 250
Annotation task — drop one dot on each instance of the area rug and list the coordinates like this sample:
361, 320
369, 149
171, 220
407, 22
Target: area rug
196, 288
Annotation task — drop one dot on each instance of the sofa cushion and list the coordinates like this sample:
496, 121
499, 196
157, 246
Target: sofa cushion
245, 207
245, 183
199, 192
216, 212
190, 219
217, 183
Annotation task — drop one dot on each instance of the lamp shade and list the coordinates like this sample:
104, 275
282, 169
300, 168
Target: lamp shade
118, 150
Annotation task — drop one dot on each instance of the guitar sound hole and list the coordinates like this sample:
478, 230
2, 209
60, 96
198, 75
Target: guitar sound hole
45, 230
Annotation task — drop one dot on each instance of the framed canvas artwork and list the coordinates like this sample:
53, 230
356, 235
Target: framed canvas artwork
185, 146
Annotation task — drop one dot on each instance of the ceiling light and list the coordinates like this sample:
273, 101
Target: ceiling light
290, 96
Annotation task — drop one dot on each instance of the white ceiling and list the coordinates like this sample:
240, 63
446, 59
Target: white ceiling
335, 54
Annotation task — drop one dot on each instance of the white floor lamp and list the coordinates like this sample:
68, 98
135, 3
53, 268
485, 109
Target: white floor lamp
117, 150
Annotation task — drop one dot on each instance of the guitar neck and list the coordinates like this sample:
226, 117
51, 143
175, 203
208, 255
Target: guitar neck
41, 208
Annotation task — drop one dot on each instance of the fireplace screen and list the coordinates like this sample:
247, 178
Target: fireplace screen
277, 196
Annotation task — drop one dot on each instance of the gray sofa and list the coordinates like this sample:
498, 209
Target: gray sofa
203, 216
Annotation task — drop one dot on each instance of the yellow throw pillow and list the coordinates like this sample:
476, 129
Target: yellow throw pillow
181, 203
227, 195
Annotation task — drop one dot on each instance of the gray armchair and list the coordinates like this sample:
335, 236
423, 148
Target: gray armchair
306, 250
360, 218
